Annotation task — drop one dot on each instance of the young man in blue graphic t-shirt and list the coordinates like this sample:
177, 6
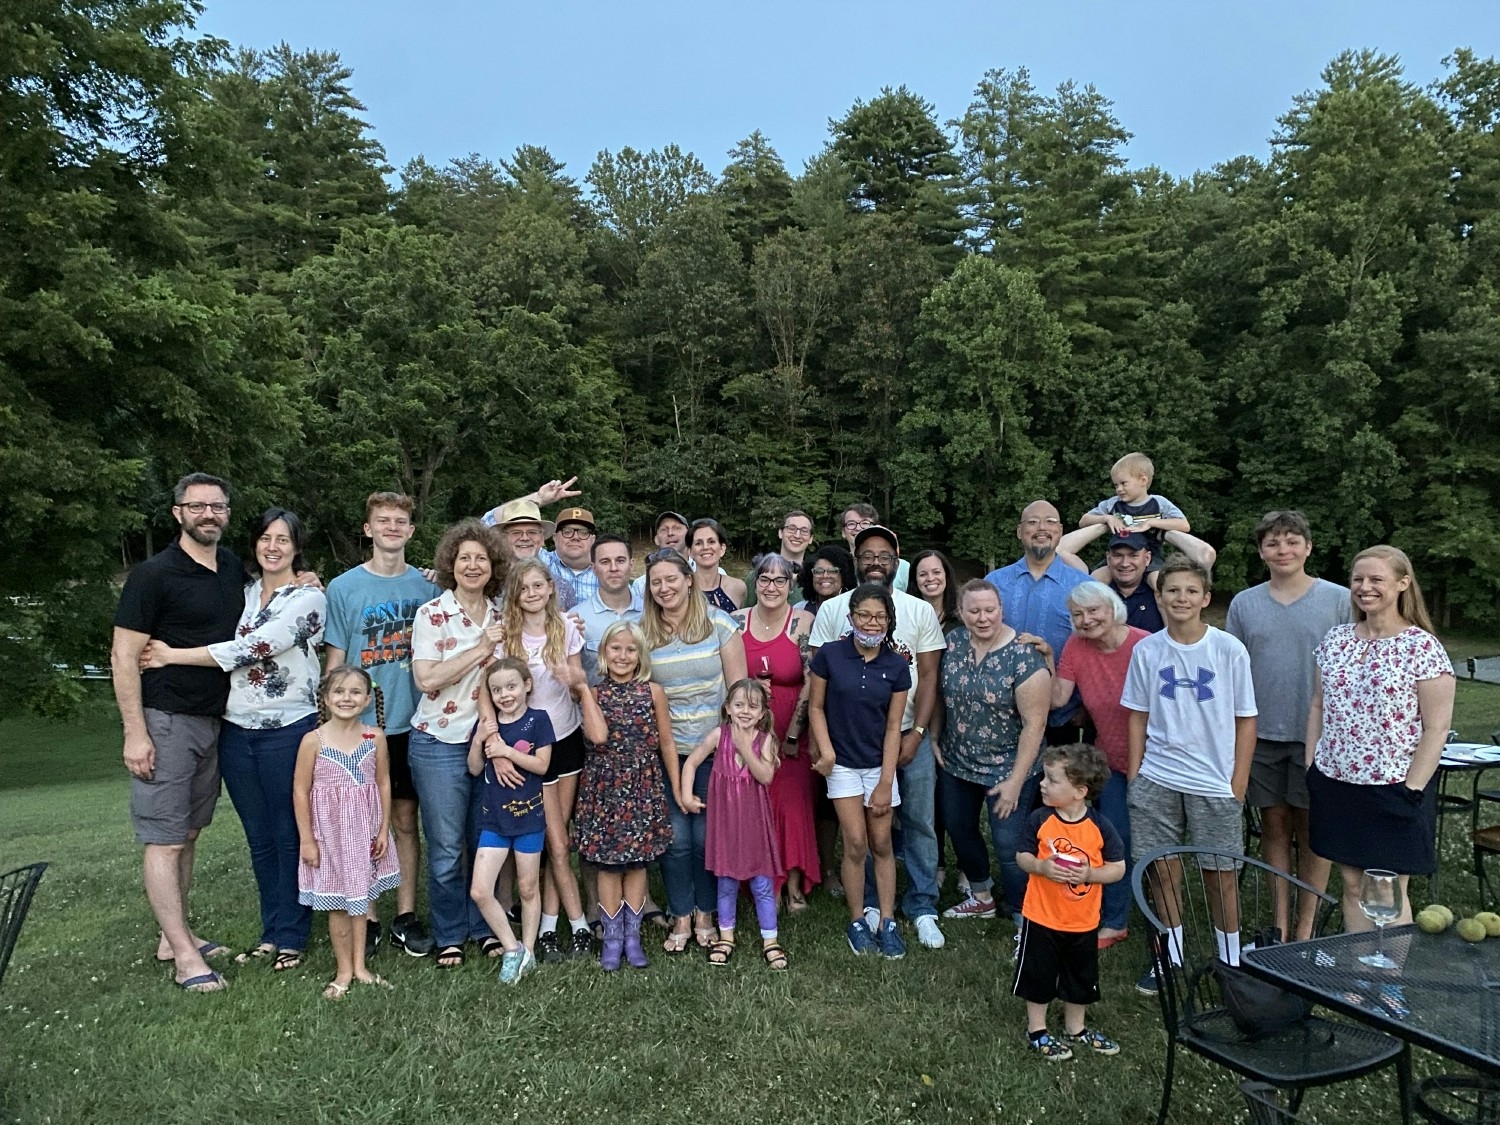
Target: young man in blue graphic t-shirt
370, 613
1191, 742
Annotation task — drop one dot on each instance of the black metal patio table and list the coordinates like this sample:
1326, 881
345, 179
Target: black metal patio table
1445, 997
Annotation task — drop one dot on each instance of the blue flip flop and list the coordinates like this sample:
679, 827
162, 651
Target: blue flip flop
195, 984
206, 950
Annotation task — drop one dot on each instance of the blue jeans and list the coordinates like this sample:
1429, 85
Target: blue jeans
914, 836
962, 803
1115, 914
257, 766
448, 799
690, 885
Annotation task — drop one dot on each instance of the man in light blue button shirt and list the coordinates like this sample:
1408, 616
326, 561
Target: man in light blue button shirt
1034, 593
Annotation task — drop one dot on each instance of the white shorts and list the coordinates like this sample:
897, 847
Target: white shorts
846, 782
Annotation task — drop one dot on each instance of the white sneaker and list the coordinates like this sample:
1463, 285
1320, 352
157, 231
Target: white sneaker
928, 933
872, 918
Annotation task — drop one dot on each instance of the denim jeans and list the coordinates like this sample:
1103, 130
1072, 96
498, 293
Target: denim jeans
963, 802
690, 885
1115, 914
913, 836
448, 799
257, 767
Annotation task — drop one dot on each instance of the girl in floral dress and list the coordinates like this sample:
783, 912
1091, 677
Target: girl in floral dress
621, 821
342, 795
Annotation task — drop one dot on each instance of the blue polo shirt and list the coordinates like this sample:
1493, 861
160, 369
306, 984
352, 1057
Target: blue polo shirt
1040, 606
597, 617
1141, 610
858, 699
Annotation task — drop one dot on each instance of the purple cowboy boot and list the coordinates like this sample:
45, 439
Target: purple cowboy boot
633, 951
614, 939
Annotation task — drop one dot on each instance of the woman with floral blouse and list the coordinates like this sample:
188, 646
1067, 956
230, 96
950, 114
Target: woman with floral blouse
452, 639
1382, 702
988, 736
273, 701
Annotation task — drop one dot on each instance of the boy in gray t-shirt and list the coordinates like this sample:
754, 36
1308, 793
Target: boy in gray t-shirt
1281, 623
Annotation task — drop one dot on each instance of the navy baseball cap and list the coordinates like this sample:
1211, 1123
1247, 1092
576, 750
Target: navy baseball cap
1132, 539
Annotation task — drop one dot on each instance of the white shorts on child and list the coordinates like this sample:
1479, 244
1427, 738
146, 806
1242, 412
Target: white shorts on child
846, 782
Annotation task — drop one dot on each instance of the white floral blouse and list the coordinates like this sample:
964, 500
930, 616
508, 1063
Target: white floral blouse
442, 630
273, 660
1371, 720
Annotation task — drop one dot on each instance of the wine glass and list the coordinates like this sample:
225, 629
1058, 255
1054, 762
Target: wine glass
1380, 899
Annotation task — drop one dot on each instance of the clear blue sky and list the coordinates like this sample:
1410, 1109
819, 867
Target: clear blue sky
1195, 81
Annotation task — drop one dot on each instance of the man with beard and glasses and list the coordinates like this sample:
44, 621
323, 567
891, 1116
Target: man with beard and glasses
188, 595
1034, 598
919, 638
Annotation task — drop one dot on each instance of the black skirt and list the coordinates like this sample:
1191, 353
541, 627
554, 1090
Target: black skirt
1388, 827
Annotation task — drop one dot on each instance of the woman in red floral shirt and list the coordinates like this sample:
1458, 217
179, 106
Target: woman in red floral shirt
1381, 708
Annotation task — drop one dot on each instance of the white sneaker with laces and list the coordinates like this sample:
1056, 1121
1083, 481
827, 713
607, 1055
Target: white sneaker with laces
928, 933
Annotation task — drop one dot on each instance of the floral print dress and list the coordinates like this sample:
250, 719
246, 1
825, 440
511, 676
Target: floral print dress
621, 815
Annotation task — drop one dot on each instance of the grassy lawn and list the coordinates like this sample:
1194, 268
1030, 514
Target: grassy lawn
93, 1031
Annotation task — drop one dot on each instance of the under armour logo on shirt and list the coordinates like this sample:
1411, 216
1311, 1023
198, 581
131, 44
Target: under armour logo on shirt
1170, 682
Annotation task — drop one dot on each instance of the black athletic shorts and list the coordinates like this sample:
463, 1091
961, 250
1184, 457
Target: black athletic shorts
1057, 965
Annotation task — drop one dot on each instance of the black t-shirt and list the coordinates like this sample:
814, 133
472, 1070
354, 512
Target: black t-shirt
173, 599
1141, 610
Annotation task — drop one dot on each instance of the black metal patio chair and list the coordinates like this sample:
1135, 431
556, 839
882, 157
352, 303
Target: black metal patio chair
16, 890
1170, 884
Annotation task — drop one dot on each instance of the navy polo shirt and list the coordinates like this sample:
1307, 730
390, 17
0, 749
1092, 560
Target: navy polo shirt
859, 699
1141, 610
172, 598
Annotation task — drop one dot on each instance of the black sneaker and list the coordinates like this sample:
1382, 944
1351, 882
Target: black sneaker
580, 945
408, 933
547, 951
372, 939
513, 916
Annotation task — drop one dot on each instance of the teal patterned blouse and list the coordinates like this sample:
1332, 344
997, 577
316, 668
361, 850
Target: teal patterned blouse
981, 725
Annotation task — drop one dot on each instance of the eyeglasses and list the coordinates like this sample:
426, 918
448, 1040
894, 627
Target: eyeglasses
575, 532
198, 507
793, 529
825, 572
885, 558
1050, 521
666, 554
857, 525
875, 620
776, 581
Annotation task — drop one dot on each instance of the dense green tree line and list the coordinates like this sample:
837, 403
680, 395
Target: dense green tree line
208, 264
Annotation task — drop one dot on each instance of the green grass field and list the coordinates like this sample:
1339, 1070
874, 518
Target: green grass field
92, 1030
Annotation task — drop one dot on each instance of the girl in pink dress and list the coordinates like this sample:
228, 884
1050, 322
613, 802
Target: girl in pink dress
341, 793
741, 844
775, 637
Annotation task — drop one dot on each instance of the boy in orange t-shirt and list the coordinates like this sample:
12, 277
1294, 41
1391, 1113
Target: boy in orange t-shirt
1073, 852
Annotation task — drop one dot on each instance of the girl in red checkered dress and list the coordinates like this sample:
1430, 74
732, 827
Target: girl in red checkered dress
342, 795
